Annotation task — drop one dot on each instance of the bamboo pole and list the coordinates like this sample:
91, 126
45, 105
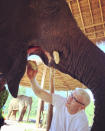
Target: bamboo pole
50, 107
40, 102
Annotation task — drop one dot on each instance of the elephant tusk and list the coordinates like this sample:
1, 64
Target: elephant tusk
56, 57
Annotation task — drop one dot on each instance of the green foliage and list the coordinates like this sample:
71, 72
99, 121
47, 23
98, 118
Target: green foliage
22, 91
5, 108
90, 112
3, 97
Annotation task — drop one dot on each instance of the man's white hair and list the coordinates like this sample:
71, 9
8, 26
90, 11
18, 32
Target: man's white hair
84, 94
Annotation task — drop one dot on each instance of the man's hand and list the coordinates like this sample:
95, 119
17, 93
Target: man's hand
32, 69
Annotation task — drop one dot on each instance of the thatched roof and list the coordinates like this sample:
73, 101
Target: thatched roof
61, 80
90, 16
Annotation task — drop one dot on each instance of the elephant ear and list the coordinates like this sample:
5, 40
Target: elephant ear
16, 73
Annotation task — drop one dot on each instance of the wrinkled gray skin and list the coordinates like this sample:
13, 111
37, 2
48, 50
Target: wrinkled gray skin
20, 104
50, 25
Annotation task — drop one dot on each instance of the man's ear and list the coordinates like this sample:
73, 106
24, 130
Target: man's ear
82, 106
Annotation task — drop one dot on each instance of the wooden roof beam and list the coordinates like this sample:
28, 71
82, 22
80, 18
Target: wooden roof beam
101, 14
98, 37
91, 16
81, 15
90, 26
98, 31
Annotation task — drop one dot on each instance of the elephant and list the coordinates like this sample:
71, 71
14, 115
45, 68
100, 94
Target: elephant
41, 27
21, 103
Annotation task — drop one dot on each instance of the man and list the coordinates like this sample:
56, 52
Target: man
69, 114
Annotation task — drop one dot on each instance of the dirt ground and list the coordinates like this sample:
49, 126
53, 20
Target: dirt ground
15, 126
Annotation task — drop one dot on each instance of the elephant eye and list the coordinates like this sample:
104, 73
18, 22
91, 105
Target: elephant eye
61, 54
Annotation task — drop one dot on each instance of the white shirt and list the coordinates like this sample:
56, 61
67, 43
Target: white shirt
63, 121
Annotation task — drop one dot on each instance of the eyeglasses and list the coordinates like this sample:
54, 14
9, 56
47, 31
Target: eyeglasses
76, 100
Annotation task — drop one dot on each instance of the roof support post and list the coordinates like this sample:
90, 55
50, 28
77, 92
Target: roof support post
50, 107
40, 102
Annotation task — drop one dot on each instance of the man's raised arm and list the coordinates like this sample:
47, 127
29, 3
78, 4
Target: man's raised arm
31, 73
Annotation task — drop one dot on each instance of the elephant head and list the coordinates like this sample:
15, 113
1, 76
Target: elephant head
42, 27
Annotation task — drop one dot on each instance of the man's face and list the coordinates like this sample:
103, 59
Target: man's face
74, 103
